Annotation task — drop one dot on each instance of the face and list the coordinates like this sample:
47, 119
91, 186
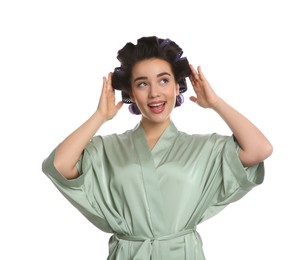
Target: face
154, 90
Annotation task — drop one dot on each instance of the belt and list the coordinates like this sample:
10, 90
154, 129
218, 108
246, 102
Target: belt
150, 248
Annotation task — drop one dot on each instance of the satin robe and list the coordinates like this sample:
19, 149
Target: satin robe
152, 200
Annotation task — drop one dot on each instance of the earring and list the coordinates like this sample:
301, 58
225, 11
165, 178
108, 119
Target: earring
133, 108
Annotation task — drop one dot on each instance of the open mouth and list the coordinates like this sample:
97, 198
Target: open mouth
156, 104
157, 107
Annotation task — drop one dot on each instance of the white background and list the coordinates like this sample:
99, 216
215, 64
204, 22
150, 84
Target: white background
53, 55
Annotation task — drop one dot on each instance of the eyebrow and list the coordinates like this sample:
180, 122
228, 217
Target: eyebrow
158, 75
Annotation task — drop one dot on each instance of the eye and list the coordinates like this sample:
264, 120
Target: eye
164, 81
141, 84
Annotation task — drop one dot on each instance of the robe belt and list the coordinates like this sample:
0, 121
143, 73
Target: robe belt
150, 246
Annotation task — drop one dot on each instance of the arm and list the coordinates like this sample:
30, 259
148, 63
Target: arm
69, 151
254, 146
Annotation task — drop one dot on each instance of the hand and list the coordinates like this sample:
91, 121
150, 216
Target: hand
106, 106
205, 96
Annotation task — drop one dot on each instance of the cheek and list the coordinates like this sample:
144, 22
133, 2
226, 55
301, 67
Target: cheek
174, 91
137, 97
134, 95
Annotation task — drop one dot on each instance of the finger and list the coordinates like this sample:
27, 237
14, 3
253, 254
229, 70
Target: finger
109, 83
194, 83
193, 99
193, 72
191, 68
103, 90
191, 79
119, 105
200, 73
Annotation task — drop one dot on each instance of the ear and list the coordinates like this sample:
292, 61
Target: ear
177, 89
131, 96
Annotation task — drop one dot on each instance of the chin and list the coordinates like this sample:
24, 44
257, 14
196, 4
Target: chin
157, 119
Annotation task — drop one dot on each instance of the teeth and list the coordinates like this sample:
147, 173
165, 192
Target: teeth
156, 105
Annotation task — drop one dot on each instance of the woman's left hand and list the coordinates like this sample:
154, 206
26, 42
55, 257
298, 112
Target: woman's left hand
205, 96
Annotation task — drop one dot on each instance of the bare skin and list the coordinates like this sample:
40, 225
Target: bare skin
153, 83
69, 151
254, 147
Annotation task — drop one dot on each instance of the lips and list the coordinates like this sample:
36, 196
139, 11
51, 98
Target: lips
157, 107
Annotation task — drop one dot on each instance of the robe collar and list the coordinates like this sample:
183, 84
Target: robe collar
163, 146
164, 141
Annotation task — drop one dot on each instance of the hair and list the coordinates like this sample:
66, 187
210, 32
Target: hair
147, 48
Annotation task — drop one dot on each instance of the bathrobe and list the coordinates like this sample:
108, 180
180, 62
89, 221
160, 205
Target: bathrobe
151, 200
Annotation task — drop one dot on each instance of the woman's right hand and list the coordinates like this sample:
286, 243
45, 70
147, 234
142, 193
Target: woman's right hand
107, 108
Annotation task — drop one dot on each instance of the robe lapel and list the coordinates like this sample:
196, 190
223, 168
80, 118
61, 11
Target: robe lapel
148, 160
163, 146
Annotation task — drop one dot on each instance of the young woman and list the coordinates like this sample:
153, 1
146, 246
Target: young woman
152, 185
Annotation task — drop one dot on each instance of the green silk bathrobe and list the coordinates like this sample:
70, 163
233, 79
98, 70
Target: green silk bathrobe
152, 200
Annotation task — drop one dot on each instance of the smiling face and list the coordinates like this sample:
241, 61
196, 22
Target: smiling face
154, 90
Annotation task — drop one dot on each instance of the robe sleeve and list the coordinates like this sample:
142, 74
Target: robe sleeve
84, 191
229, 180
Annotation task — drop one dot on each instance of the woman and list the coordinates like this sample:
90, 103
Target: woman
152, 185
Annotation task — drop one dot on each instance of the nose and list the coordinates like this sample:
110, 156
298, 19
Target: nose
154, 91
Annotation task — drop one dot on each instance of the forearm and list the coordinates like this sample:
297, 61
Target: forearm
70, 149
254, 146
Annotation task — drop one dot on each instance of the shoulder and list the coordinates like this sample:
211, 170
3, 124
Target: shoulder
200, 138
116, 138
100, 143
115, 143
210, 141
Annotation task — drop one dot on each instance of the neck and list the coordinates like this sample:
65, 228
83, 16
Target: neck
154, 130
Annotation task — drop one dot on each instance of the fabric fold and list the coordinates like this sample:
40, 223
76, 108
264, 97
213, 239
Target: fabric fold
152, 200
